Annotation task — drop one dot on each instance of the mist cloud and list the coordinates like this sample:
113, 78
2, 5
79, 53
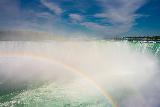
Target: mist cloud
131, 77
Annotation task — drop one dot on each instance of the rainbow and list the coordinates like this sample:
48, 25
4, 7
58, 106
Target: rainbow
66, 66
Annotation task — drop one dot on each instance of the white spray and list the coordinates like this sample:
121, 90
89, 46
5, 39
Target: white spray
115, 66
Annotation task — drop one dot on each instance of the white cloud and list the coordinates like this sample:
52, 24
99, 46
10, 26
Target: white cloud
52, 6
76, 17
92, 25
120, 14
116, 16
45, 15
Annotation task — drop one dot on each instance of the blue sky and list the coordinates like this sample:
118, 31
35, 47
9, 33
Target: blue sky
94, 18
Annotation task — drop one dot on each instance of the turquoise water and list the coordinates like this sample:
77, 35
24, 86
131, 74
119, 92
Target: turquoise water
51, 95
145, 47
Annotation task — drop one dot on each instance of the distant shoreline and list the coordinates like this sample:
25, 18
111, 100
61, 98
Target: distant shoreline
144, 38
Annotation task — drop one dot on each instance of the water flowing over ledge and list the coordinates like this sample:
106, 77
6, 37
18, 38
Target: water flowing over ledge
114, 72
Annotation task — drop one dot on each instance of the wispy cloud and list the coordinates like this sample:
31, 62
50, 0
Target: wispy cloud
116, 16
45, 15
112, 18
92, 25
76, 17
52, 6
120, 14
120, 11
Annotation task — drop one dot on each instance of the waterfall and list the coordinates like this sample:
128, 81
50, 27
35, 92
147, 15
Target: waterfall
152, 47
78, 73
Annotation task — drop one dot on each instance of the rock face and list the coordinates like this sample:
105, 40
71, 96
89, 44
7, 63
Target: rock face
26, 36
